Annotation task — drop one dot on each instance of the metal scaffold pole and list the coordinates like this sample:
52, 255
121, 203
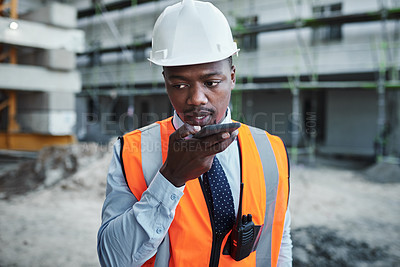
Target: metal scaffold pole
381, 120
381, 115
309, 60
295, 119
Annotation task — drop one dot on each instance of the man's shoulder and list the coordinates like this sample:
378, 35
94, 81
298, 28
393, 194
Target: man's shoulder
256, 130
148, 128
253, 128
142, 130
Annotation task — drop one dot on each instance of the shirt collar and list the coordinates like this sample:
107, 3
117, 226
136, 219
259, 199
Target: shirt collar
178, 122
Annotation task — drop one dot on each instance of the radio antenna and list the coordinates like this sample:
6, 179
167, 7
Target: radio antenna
239, 216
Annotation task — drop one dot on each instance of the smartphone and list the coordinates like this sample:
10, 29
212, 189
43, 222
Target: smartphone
216, 128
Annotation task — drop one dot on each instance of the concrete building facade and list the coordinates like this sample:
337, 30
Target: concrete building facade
39, 79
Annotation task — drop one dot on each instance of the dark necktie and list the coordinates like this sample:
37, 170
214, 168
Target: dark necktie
217, 185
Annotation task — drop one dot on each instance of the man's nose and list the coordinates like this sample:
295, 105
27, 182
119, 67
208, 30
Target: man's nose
197, 96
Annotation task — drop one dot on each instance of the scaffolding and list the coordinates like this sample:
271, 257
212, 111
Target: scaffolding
10, 7
16, 39
387, 78
10, 103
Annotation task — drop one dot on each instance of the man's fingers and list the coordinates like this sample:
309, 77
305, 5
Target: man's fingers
214, 139
206, 146
221, 145
186, 130
224, 144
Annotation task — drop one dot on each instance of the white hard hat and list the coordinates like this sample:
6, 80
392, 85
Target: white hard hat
191, 32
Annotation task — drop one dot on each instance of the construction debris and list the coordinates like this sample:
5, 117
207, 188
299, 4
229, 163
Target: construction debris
320, 246
52, 165
384, 172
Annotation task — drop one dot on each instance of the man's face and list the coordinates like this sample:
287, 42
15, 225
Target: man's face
200, 94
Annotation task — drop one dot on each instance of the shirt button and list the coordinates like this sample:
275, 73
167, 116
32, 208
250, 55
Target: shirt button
158, 230
173, 197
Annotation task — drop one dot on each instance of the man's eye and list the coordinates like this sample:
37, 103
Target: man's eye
211, 83
180, 86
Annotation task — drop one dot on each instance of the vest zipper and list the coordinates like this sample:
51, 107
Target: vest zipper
216, 248
218, 238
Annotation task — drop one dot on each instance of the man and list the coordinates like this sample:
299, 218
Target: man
172, 199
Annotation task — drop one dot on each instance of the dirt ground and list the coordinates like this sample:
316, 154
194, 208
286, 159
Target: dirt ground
339, 218
342, 219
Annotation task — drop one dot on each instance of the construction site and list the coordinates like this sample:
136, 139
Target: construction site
323, 75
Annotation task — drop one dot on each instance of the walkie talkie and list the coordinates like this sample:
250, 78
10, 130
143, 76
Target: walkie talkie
245, 234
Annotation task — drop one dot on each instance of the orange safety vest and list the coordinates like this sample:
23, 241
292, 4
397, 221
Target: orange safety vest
190, 240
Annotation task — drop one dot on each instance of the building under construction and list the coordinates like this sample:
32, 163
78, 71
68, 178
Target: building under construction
323, 75
38, 76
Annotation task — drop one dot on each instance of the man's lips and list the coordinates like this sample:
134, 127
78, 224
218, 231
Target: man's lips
197, 115
197, 118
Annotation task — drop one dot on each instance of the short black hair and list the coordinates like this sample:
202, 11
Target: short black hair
229, 61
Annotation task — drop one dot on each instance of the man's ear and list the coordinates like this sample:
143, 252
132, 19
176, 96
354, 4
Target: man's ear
233, 76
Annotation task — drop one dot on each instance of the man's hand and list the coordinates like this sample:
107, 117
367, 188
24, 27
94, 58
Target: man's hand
188, 158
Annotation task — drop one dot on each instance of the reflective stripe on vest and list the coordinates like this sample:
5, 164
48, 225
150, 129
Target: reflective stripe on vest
276, 176
190, 235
